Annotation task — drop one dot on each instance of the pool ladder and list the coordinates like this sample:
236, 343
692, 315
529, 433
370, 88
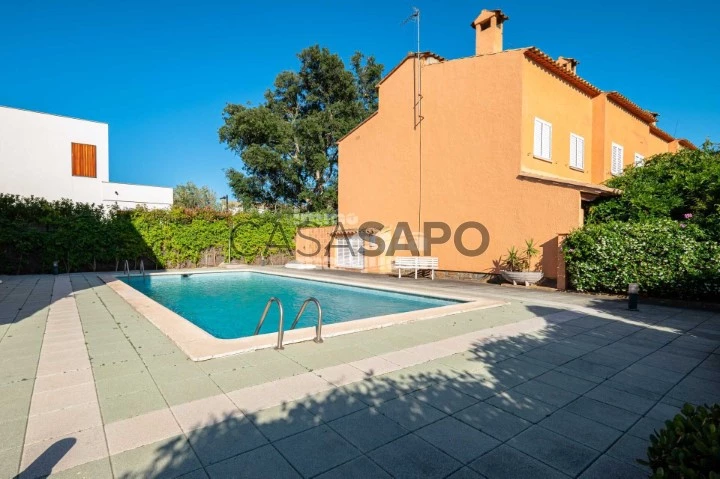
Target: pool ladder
126, 268
281, 332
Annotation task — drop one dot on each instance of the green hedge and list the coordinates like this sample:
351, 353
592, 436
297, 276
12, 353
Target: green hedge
82, 237
666, 257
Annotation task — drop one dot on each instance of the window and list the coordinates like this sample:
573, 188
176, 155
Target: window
639, 160
577, 151
348, 254
616, 160
543, 139
84, 160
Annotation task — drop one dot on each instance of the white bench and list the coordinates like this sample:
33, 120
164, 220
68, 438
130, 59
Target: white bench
417, 263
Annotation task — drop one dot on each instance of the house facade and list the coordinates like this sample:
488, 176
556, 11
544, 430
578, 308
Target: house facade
57, 157
511, 140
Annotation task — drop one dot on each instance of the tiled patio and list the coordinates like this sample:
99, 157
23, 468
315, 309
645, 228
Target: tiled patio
549, 385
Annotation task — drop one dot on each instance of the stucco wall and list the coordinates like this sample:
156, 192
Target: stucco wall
568, 110
128, 196
471, 156
35, 155
36, 160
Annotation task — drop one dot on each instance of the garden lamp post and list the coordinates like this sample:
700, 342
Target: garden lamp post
633, 290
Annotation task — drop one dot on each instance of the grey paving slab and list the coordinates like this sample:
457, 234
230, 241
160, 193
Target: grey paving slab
359, 468
316, 450
410, 413
225, 439
620, 419
457, 439
284, 420
567, 382
465, 473
606, 467
505, 462
526, 407
580, 429
368, 429
445, 398
546, 393
257, 464
551, 448
629, 449
621, 399
492, 421
411, 457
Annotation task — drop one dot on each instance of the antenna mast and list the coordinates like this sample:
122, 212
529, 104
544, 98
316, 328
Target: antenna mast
415, 17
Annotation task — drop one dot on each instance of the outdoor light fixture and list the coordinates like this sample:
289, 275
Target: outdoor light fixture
633, 290
227, 201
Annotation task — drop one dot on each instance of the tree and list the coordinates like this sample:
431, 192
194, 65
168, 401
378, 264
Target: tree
190, 195
288, 143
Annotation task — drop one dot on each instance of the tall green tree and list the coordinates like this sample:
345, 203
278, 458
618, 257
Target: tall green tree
288, 143
190, 195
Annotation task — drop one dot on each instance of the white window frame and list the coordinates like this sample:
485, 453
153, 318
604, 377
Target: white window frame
621, 160
538, 145
577, 158
639, 160
352, 256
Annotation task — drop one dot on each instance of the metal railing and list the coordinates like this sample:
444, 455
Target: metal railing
318, 328
126, 268
280, 325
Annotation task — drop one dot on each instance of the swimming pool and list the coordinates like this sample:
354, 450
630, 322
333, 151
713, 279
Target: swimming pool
229, 305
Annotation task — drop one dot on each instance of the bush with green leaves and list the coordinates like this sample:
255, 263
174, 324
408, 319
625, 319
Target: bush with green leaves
35, 232
688, 446
665, 257
674, 186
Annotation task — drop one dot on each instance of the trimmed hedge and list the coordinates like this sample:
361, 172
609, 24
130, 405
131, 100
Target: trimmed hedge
35, 232
667, 258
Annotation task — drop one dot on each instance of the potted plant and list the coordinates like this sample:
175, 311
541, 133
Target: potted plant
520, 266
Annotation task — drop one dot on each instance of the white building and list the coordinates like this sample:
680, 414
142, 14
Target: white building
57, 157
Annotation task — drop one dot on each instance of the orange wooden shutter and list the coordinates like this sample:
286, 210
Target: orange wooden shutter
84, 160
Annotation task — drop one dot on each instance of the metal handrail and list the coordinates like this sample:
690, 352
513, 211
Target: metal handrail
280, 325
142, 268
126, 268
318, 328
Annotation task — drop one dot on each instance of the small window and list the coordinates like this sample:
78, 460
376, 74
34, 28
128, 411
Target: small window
84, 160
639, 160
616, 160
349, 253
542, 139
577, 151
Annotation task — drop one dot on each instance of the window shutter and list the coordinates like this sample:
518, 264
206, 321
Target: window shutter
546, 140
577, 151
581, 153
616, 166
347, 258
537, 147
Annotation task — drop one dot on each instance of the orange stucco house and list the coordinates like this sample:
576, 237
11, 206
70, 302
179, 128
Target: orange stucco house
510, 139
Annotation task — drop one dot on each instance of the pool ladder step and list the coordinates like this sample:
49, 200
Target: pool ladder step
281, 332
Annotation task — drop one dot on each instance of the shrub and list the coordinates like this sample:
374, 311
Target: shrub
671, 186
35, 232
665, 257
689, 445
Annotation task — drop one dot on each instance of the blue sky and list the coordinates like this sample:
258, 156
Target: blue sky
160, 72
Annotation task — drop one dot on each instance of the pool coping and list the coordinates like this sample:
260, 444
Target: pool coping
199, 345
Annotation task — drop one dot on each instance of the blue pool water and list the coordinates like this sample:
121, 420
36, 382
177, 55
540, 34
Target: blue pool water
229, 305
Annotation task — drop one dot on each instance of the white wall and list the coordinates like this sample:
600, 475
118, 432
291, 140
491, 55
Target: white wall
127, 196
36, 157
36, 160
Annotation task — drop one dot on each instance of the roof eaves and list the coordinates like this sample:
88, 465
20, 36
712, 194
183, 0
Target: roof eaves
662, 134
632, 108
545, 61
685, 143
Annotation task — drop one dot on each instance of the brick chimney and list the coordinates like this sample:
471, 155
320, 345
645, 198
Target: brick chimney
569, 64
489, 31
